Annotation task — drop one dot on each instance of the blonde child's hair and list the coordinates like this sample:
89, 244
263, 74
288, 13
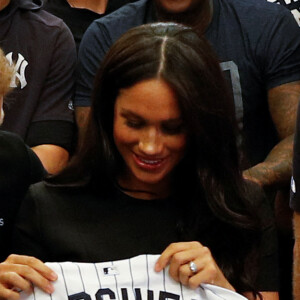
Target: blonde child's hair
6, 74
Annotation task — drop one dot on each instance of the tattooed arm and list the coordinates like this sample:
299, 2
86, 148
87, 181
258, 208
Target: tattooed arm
296, 269
276, 169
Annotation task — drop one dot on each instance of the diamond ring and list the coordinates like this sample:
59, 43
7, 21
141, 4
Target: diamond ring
193, 267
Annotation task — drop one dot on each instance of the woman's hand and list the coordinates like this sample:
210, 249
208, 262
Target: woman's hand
19, 272
180, 255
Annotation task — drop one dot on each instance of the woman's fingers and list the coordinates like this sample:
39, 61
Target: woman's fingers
208, 273
184, 274
181, 259
191, 264
19, 272
32, 262
25, 272
14, 281
199, 268
172, 249
181, 254
8, 294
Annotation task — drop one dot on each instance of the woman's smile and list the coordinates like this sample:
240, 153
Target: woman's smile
150, 164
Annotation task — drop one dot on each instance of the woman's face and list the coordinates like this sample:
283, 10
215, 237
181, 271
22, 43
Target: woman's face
149, 133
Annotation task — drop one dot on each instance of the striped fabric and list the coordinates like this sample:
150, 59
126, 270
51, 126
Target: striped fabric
130, 279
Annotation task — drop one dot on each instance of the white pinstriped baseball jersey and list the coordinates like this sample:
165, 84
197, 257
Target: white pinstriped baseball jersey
129, 279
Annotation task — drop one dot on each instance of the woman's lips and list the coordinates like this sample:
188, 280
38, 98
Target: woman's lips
149, 163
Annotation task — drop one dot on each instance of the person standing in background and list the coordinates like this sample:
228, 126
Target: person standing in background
39, 109
79, 14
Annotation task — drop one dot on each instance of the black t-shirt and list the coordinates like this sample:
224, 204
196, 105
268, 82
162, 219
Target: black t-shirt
64, 224
292, 5
19, 168
43, 50
78, 20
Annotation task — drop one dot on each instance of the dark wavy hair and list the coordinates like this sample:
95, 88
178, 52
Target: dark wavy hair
209, 177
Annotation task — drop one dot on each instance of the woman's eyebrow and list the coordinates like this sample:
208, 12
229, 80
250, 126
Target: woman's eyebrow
127, 113
174, 120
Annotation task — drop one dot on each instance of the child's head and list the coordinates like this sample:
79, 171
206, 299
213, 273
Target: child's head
6, 73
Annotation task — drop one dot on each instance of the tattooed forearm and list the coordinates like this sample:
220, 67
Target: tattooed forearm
296, 269
283, 102
276, 170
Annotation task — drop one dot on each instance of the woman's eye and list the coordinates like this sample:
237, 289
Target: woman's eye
172, 129
134, 124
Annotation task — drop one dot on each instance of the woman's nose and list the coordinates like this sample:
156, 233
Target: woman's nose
151, 142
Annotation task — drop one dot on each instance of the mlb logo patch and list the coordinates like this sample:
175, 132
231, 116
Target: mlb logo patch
110, 271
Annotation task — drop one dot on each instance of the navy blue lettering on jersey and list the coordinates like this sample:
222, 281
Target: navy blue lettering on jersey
258, 44
80, 296
102, 292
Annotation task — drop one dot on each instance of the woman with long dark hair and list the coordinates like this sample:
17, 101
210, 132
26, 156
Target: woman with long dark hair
157, 173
